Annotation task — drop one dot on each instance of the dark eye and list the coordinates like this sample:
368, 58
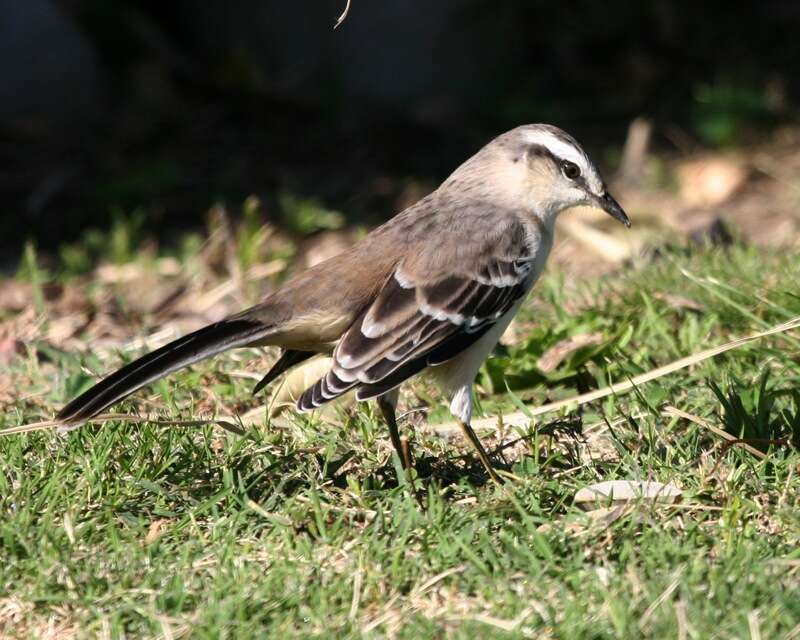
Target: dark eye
570, 169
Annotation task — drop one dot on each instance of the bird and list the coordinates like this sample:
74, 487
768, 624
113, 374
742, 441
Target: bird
429, 291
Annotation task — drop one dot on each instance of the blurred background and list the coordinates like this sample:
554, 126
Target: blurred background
138, 118
164, 164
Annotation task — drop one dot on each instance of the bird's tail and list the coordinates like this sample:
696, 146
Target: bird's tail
202, 344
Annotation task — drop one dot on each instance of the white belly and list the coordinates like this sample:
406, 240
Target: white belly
455, 377
462, 369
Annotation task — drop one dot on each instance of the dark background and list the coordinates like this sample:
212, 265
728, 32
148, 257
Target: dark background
109, 107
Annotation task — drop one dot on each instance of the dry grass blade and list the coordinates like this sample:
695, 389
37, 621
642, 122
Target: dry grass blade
520, 418
342, 17
674, 411
229, 424
604, 244
430, 582
515, 419
667, 369
753, 624
507, 626
674, 583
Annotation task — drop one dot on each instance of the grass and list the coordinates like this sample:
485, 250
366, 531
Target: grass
302, 529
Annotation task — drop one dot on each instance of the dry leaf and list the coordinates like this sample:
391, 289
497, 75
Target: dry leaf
18, 296
61, 329
17, 332
327, 244
10, 348
155, 531
706, 182
15, 296
555, 355
679, 302
597, 518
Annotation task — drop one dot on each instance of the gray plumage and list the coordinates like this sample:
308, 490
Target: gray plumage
431, 289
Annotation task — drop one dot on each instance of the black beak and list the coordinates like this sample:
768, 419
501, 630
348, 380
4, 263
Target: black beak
612, 208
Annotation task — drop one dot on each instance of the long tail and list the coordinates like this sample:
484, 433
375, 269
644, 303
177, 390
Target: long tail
202, 344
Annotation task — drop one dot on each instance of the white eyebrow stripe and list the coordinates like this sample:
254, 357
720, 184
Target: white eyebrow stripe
566, 151
557, 147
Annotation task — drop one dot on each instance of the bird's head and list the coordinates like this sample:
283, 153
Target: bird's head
543, 170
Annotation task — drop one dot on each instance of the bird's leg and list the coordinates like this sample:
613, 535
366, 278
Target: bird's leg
470, 435
387, 404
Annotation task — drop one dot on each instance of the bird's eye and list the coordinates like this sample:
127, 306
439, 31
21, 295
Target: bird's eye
570, 170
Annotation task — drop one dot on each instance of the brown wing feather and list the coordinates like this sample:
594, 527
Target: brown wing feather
409, 327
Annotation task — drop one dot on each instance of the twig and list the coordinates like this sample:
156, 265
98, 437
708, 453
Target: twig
669, 410
342, 17
227, 424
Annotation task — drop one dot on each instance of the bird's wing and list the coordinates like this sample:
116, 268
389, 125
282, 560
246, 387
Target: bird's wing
420, 318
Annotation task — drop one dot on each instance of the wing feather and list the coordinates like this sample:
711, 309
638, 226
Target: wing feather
412, 325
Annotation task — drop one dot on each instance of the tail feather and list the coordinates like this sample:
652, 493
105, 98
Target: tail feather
201, 344
289, 358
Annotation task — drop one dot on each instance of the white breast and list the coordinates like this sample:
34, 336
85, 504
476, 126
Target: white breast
455, 377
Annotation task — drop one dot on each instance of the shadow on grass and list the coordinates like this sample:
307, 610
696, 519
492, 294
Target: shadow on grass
176, 471
761, 414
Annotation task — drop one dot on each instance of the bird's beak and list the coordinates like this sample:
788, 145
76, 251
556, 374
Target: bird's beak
607, 203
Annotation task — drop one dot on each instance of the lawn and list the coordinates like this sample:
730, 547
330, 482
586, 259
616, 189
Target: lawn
303, 525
